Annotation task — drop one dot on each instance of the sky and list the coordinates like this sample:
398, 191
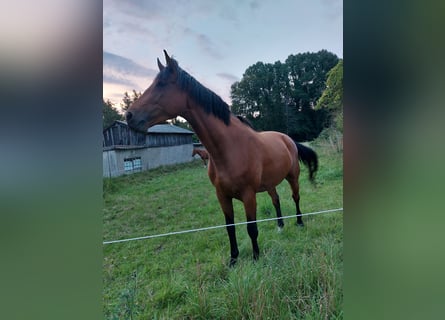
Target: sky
214, 41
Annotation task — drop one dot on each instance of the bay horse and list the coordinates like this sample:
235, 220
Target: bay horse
203, 154
243, 161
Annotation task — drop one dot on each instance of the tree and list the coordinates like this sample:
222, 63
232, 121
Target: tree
109, 113
332, 97
307, 74
127, 101
257, 96
282, 96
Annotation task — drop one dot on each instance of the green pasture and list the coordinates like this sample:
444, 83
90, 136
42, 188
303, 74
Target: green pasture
298, 276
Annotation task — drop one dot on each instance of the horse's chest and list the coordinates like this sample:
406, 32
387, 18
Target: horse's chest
229, 183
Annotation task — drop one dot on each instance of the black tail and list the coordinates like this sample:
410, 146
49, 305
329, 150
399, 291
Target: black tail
309, 158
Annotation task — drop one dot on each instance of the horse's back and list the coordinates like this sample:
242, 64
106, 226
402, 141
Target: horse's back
278, 144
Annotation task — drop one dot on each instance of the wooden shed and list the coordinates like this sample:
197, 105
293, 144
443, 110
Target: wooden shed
120, 134
127, 151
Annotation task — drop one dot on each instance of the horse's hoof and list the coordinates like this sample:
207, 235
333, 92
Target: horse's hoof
232, 262
280, 229
301, 225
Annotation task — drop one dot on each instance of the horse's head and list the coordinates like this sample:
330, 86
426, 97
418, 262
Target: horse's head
162, 100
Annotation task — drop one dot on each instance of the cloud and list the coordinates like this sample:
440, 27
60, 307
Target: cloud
121, 74
208, 46
204, 42
254, 5
334, 9
125, 66
120, 70
229, 13
158, 12
227, 76
113, 79
137, 8
168, 23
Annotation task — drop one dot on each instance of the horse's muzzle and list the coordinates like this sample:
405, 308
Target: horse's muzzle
128, 116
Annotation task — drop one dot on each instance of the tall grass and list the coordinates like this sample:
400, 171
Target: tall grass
298, 275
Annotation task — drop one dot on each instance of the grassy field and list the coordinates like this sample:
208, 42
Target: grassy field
298, 276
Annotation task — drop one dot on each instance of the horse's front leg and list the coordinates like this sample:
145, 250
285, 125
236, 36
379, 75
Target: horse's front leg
249, 201
227, 207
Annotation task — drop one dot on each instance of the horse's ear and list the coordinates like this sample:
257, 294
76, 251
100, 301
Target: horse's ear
167, 58
171, 63
161, 67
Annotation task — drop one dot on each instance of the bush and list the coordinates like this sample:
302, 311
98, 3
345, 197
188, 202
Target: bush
330, 139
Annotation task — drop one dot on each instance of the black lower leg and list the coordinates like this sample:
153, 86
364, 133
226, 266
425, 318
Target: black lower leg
276, 203
232, 238
299, 219
278, 210
253, 234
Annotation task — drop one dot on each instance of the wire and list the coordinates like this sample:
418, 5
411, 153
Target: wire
216, 227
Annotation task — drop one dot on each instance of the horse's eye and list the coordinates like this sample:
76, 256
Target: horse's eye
160, 84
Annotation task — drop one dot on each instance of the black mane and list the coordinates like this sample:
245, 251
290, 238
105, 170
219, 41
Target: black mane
207, 99
245, 121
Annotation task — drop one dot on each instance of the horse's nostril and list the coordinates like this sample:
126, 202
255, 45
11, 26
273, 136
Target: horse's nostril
128, 115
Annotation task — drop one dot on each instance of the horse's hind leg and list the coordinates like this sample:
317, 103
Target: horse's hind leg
293, 182
276, 203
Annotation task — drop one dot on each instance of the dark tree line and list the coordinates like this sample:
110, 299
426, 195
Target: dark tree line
282, 96
110, 113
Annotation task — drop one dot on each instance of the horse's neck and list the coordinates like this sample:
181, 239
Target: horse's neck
211, 131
